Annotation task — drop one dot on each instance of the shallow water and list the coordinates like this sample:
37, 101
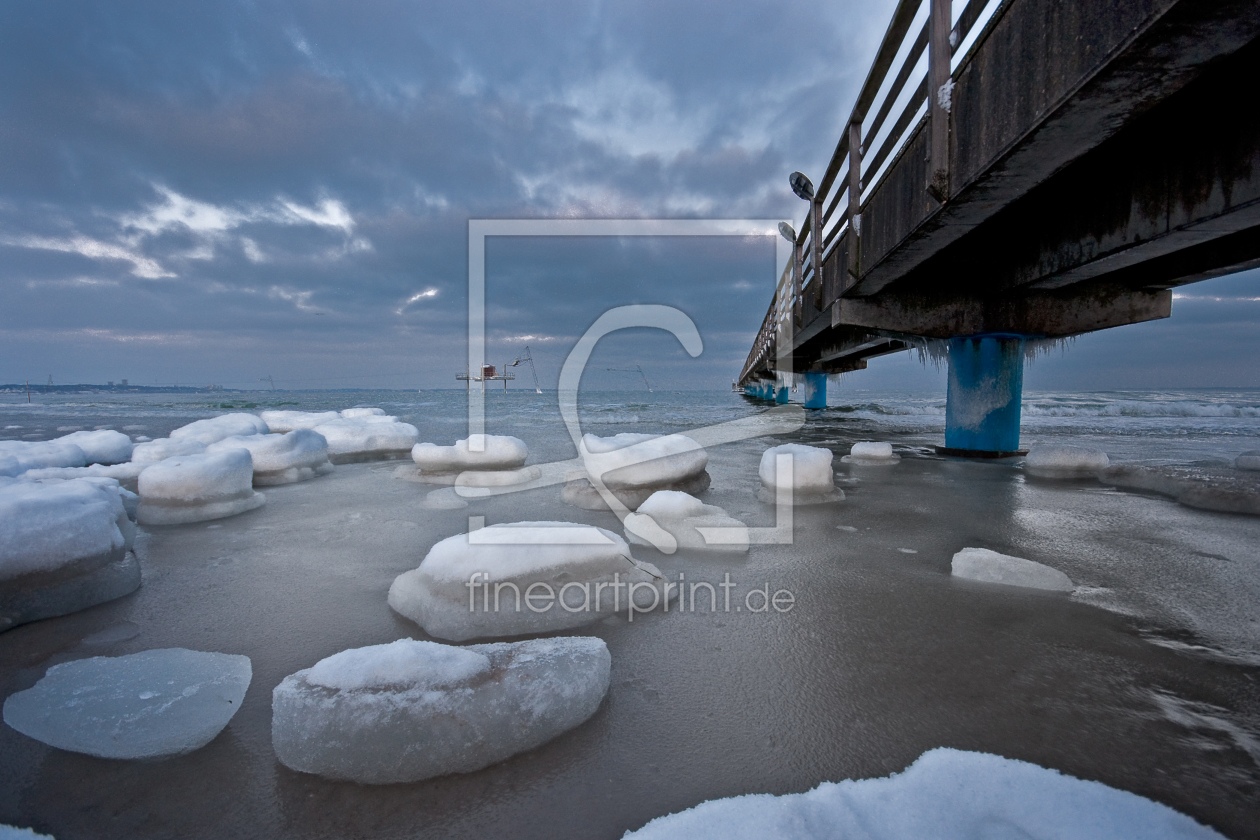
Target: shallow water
1145, 679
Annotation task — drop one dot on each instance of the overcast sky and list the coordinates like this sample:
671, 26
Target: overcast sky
218, 192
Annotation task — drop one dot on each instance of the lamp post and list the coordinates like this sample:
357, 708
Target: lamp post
786, 231
804, 189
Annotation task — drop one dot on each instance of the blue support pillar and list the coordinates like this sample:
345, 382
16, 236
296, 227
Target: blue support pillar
779, 392
986, 383
815, 390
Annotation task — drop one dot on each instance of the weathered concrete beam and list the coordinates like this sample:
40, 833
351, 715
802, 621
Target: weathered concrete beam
1047, 314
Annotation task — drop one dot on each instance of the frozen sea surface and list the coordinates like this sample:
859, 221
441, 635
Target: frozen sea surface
1144, 678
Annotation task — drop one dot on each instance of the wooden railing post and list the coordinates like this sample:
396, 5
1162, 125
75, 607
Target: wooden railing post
796, 281
815, 248
855, 205
940, 91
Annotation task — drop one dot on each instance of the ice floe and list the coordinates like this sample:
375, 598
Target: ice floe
681, 515
634, 466
524, 577
125, 474
497, 464
195, 488
811, 476
151, 704
288, 421
496, 452
1224, 491
40, 454
103, 446
282, 459
214, 429
1248, 460
986, 566
63, 548
1065, 461
152, 451
412, 710
869, 453
371, 437
946, 794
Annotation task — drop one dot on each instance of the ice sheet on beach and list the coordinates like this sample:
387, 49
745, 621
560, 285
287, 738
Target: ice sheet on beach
986, 566
214, 429
151, 704
681, 516
282, 459
412, 710
1062, 461
588, 571
195, 488
367, 438
947, 794
1249, 460
103, 446
493, 452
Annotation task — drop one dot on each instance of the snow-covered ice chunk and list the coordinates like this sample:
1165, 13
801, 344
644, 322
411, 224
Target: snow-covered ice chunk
1062, 461
413, 710
288, 421
9, 466
151, 704
195, 488
38, 454
103, 446
633, 460
63, 548
1248, 460
812, 479
580, 493
152, 451
125, 474
282, 459
363, 411
680, 515
367, 438
588, 572
870, 453
634, 466
498, 452
214, 429
986, 566
947, 794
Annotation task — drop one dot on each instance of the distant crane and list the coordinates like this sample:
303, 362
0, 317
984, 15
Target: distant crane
526, 357
641, 373
269, 381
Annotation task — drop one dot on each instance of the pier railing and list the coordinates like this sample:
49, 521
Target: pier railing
926, 45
